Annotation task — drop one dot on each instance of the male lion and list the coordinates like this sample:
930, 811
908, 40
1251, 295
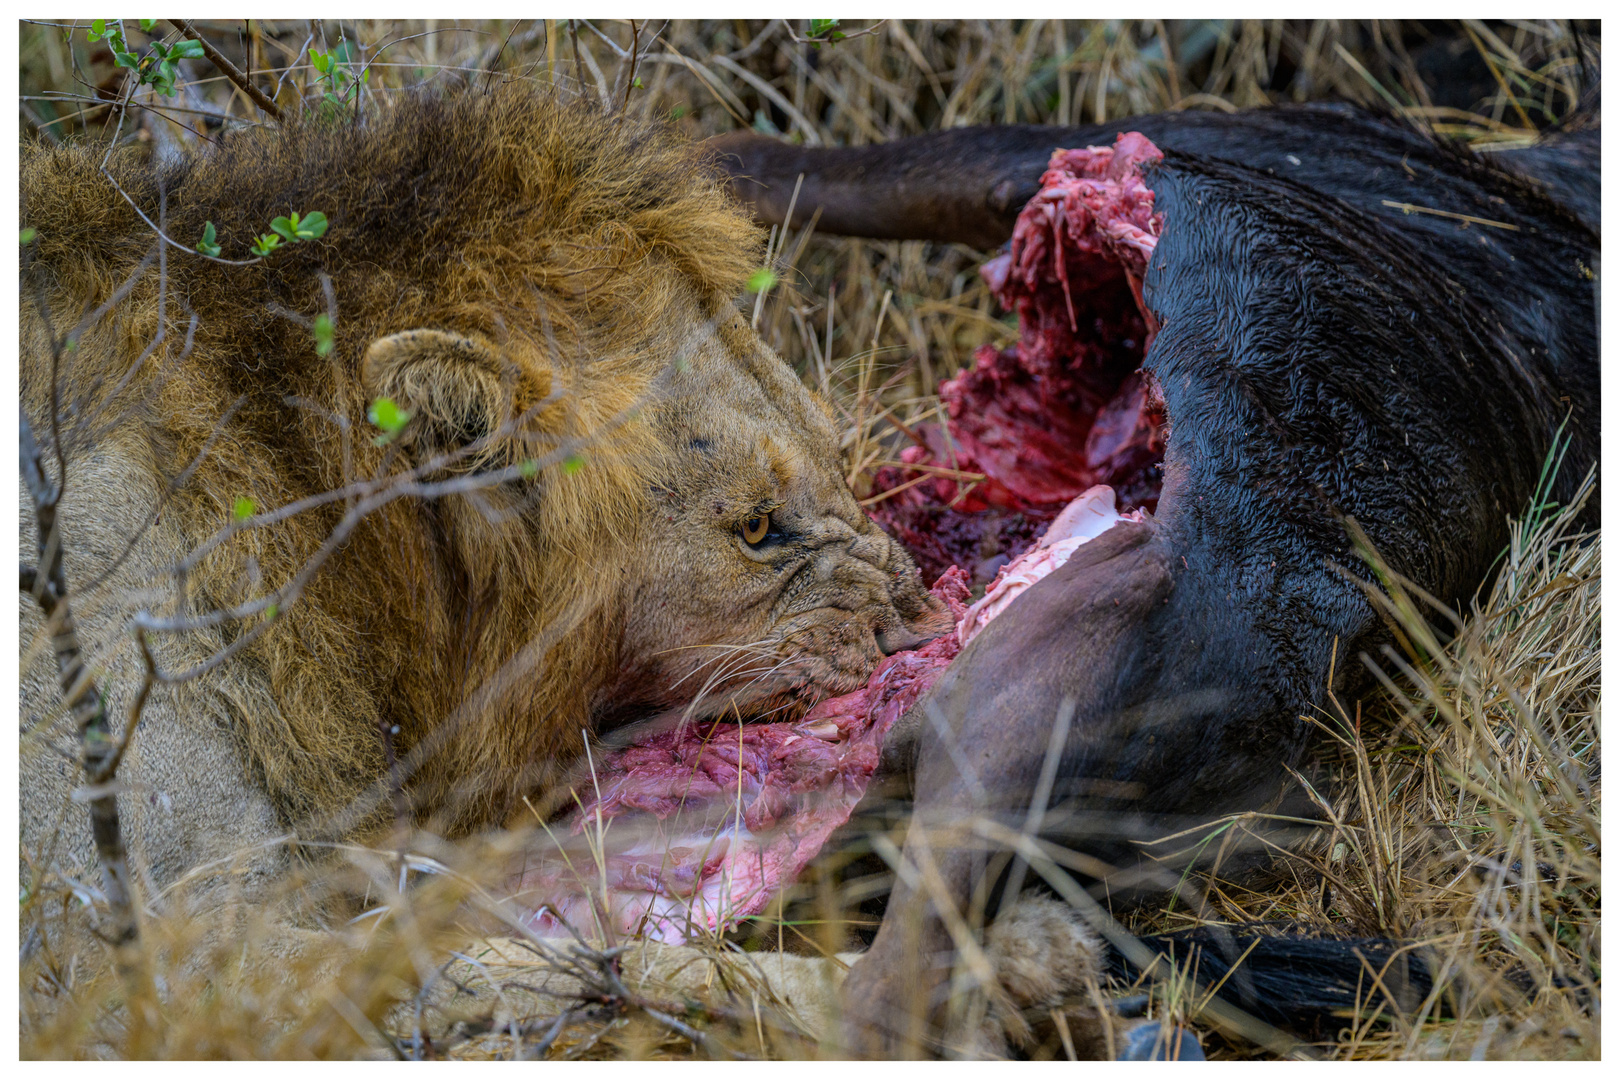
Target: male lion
608, 488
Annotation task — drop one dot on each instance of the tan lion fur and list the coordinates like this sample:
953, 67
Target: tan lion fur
536, 281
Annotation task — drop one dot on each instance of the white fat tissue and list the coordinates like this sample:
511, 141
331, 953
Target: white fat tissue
1086, 518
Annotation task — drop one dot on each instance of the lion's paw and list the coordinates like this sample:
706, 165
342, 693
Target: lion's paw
1046, 963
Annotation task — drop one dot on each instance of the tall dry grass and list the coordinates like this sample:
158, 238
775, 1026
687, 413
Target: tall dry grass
1463, 800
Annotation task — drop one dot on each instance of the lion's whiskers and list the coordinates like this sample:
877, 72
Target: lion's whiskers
753, 647
719, 677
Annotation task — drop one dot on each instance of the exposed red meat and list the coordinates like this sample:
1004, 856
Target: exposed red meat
1066, 407
698, 827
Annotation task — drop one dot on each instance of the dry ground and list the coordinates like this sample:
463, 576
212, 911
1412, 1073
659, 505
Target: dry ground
1463, 802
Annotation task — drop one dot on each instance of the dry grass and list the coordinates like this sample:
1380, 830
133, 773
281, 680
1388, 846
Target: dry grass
1464, 800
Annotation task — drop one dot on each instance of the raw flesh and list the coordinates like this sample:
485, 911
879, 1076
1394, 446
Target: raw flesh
693, 827
689, 830
1066, 407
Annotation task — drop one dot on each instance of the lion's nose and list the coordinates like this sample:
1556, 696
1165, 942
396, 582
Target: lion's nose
899, 639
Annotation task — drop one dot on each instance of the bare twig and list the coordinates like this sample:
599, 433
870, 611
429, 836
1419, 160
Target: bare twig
402, 808
492, 72
630, 79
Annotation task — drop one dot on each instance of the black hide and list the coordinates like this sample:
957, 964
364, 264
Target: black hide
1358, 323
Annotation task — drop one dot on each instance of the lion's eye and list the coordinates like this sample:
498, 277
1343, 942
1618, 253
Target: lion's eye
755, 528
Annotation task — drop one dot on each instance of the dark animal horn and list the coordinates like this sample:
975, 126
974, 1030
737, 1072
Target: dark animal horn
965, 186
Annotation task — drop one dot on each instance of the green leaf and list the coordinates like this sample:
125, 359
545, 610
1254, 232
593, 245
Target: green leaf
98, 30
322, 61
573, 465
187, 50
762, 279
266, 244
387, 415
820, 27
207, 245
677, 112
323, 335
242, 508
163, 81
284, 226
636, 82
529, 467
312, 226
125, 59
146, 26
27, 236
271, 611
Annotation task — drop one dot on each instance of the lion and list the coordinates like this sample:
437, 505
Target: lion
586, 488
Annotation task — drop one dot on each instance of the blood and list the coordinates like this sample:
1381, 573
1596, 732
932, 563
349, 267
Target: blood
691, 829
1065, 408
694, 827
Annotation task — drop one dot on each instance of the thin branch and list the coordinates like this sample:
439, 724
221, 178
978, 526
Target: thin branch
137, 709
847, 35
498, 53
42, 493
228, 69
158, 229
630, 79
99, 751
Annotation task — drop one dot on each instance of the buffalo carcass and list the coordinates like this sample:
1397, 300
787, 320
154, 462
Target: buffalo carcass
1342, 324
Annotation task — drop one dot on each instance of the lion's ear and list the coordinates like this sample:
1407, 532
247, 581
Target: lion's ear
457, 390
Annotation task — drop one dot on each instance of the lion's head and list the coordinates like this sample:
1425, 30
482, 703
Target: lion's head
760, 579
702, 529
610, 497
